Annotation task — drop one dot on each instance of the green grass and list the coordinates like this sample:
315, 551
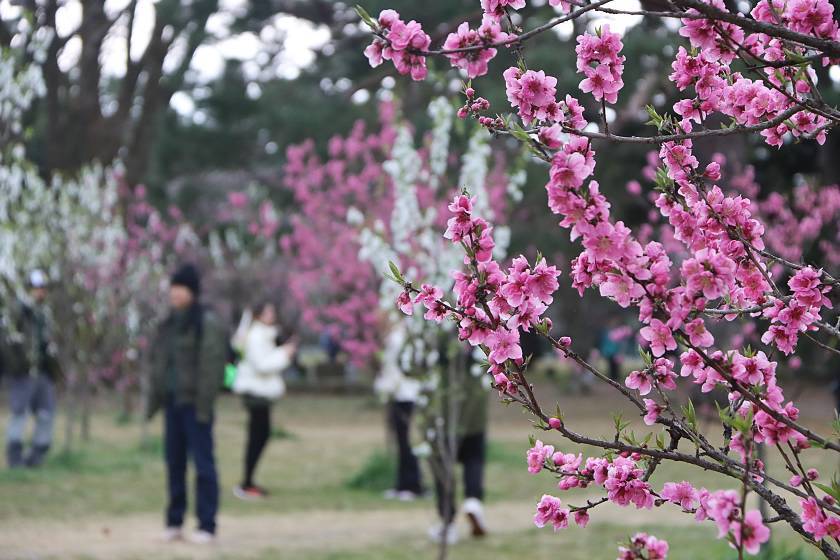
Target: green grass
329, 457
377, 473
574, 544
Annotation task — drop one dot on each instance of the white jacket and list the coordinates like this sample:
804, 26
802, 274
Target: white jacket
259, 371
392, 383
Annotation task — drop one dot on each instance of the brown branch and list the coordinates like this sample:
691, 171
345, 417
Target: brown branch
827, 46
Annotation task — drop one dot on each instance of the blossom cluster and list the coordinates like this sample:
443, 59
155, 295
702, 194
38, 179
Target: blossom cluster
401, 43
643, 547
496, 9
624, 480
817, 522
474, 62
723, 270
789, 318
322, 245
599, 61
749, 101
515, 299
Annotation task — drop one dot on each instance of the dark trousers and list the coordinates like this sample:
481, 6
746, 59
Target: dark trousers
471, 454
259, 431
614, 367
408, 469
185, 436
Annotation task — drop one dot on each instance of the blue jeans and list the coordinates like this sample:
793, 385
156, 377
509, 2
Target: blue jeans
30, 394
186, 436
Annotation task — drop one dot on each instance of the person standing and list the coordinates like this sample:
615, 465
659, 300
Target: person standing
610, 348
460, 436
30, 364
187, 368
401, 392
259, 380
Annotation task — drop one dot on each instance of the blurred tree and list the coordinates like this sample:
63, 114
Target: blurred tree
87, 115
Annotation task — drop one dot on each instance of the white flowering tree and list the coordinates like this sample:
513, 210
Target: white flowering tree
421, 180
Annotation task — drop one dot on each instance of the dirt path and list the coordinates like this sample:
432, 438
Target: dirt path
135, 537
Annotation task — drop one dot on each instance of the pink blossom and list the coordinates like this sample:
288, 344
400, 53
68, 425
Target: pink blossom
531, 92
496, 8
504, 345
752, 533
474, 62
653, 410
639, 380
643, 547
549, 511
538, 455
582, 517
697, 333
405, 304
659, 336
599, 61
681, 493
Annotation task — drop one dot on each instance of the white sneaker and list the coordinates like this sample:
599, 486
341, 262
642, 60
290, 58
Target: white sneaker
172, 534
436, 533
475, 514
406, 496
202, 537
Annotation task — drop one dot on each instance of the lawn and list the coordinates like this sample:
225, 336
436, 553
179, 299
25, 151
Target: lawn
326, 469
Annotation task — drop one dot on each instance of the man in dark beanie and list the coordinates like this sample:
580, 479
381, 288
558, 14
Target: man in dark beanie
188, 360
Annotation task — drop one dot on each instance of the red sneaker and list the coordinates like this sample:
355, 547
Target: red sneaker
249, 493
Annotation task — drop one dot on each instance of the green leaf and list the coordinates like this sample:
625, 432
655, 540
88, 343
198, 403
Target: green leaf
366, 17
655, 117
816, 444
619, 423
646, 357
660, 440
832, 490
396, 272
690, 414
519, 133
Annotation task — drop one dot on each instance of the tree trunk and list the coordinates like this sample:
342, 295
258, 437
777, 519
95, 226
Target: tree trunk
85, 402
71, 413
145, 388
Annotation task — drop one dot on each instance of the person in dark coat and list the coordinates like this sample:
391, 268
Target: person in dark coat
187, 369
28, 360
462, 412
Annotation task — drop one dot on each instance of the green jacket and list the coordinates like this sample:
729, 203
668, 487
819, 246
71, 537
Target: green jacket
187, 362
460, 391
26, 344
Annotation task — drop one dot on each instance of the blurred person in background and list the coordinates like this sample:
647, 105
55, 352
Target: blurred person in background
460, 436
28, 360
611, 345
188, 360
259, 379
401, 393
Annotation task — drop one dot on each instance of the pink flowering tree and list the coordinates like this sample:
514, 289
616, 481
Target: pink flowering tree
241, 244
756, 71
336, 291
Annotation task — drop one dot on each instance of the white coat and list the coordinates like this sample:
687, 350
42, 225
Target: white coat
392, 383
259, 371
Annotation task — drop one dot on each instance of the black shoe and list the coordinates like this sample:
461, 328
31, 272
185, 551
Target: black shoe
37, 456
14, 454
